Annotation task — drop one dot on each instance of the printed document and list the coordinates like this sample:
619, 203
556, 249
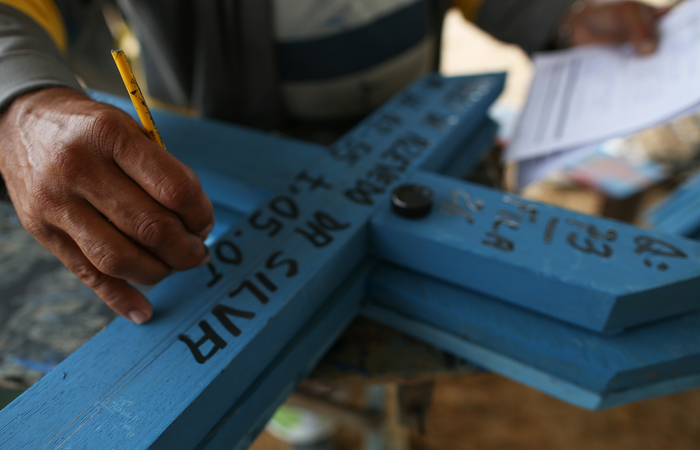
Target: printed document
585, 95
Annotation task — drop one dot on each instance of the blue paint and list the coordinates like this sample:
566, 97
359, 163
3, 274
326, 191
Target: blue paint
661, 351
275, 268
679, 212
594, 272
245, 419
240, 156
293, 224
225, 218
526, 374
468, 157
486, 358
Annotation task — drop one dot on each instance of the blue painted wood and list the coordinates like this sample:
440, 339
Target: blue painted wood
463, 156
518, 370
230, 193
242, 175
488, 359
245, 419
216, 328
594, 272
471, 154
679, 212
654, 353
306, 230
239, 156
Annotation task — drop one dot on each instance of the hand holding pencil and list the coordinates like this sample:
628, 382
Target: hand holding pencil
112, 205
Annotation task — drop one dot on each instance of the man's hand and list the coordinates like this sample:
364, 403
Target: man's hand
91, 187
612, 23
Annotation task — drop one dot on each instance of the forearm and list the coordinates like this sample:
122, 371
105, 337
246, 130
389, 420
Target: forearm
29, 57
530, 24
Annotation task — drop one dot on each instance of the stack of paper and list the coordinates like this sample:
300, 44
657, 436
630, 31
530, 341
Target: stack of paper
583, 96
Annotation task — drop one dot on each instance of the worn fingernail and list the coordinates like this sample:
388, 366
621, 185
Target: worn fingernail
206, 259
646, 47
206, 231
137, 317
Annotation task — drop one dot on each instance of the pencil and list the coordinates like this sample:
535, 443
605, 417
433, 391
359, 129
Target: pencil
137, 97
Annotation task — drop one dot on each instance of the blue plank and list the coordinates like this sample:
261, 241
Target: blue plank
515, 369
471, 155
679, 212
231, 193
590, 271
225, 219
652, 353
520, 371
246, 418
483, 357
216, 328
246, 156
462, 155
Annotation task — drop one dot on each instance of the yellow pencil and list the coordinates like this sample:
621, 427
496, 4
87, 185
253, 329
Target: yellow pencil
136, 96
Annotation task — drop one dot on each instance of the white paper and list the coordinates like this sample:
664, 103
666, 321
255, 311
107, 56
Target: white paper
588, 94
539, 168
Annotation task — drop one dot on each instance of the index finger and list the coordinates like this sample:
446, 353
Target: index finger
660, 12
168, 181
641, 26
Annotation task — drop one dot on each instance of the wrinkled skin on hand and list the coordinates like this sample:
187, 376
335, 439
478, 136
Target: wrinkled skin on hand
91, 187
616, 23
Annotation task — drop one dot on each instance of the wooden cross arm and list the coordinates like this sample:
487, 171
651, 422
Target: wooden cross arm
216, 329
590, 370
593, 272
290, 257
679, 213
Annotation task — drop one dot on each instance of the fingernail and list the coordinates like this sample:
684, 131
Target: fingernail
646, 47
137, 317
206, 259
206, 231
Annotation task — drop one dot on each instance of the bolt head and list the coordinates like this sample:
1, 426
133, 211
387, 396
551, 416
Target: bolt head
412, 200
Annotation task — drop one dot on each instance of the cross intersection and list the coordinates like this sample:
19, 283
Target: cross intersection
305, 234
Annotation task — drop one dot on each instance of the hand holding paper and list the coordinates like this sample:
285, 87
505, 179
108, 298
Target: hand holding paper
585, 95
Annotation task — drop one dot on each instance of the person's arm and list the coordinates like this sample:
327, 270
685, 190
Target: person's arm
537, 25
531, 24
611, 23
83, 176
31, 34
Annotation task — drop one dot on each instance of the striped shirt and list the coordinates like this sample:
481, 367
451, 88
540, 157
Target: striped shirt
340, 58
247, 60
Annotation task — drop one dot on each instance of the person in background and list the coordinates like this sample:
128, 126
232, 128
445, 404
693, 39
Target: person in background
114, 207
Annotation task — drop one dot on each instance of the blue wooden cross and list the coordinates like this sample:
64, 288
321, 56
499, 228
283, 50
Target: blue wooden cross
679, 213
305, 234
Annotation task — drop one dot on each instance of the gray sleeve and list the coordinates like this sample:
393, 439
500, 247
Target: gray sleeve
528, 23
29, 60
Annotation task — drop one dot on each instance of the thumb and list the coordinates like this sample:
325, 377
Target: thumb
641, 28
